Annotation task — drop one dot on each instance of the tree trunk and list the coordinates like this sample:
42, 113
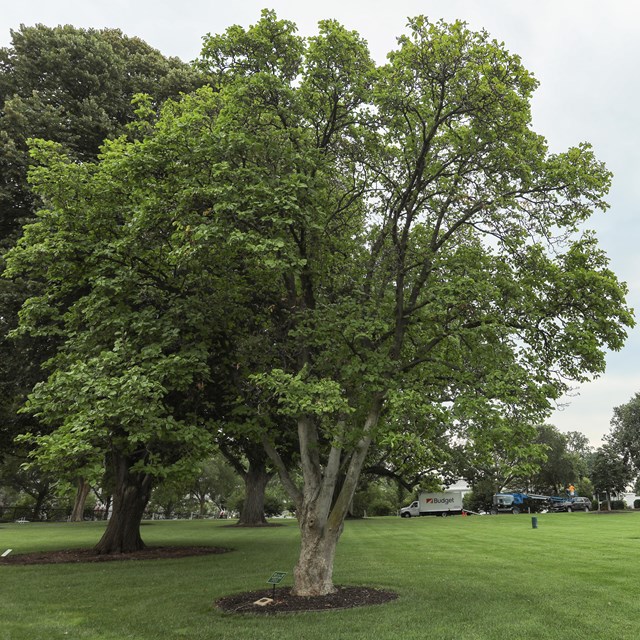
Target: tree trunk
313, 574
130, 497
107, 507
323, 507
83, 488
40, 500
255, 483
321, 510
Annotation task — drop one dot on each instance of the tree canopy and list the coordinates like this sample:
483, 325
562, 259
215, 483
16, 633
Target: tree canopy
610, 471
360, 243
74, 86
624, 436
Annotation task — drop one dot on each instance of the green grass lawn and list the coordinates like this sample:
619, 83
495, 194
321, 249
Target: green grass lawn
577, 576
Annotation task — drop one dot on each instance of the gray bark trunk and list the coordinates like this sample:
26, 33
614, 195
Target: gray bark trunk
313, 574
321, 509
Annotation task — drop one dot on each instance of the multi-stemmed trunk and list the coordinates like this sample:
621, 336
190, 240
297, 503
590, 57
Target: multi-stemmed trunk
321, 508
132, 490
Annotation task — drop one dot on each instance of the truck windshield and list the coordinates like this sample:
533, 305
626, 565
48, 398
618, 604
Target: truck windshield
503, 501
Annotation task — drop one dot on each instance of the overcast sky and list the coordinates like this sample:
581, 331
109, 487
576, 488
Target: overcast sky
583, 52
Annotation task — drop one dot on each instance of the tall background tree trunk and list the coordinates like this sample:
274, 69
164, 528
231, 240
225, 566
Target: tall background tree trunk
130, 497
202, 505
255, 483
82, 491
107, 507
40, 498
255, 476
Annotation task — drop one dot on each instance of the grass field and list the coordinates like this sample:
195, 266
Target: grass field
577, 576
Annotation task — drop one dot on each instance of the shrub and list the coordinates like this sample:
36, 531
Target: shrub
616, 505
381, 507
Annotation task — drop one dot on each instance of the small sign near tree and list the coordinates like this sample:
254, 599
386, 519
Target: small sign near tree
276, 578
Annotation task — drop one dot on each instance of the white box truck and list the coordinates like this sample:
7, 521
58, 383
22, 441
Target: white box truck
443, 504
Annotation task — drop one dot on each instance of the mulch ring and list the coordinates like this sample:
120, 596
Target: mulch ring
284, 602
89, 555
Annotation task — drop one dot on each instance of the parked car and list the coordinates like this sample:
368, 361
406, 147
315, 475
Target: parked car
572, 504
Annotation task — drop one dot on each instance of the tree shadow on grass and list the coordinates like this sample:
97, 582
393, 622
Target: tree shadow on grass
89, 555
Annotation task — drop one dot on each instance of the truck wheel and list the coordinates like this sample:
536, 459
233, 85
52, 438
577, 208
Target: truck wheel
516, 511
494, 512
405, 515
569, 509
586, 509
444, 514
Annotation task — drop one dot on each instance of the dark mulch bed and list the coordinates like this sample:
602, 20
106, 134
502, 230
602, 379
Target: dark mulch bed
88, 555
284, 602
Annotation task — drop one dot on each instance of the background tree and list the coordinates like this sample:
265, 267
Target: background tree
610, 472
74, 86
584, 487
33, 482
251, 463
624, 436
578, 443
502, 459
129, 375
480, 498
171, 498
217, 482
375, 497
561, 468
579, 446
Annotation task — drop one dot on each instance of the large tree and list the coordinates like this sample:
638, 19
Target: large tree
416, 246
74, 86
135, 335
428, 245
